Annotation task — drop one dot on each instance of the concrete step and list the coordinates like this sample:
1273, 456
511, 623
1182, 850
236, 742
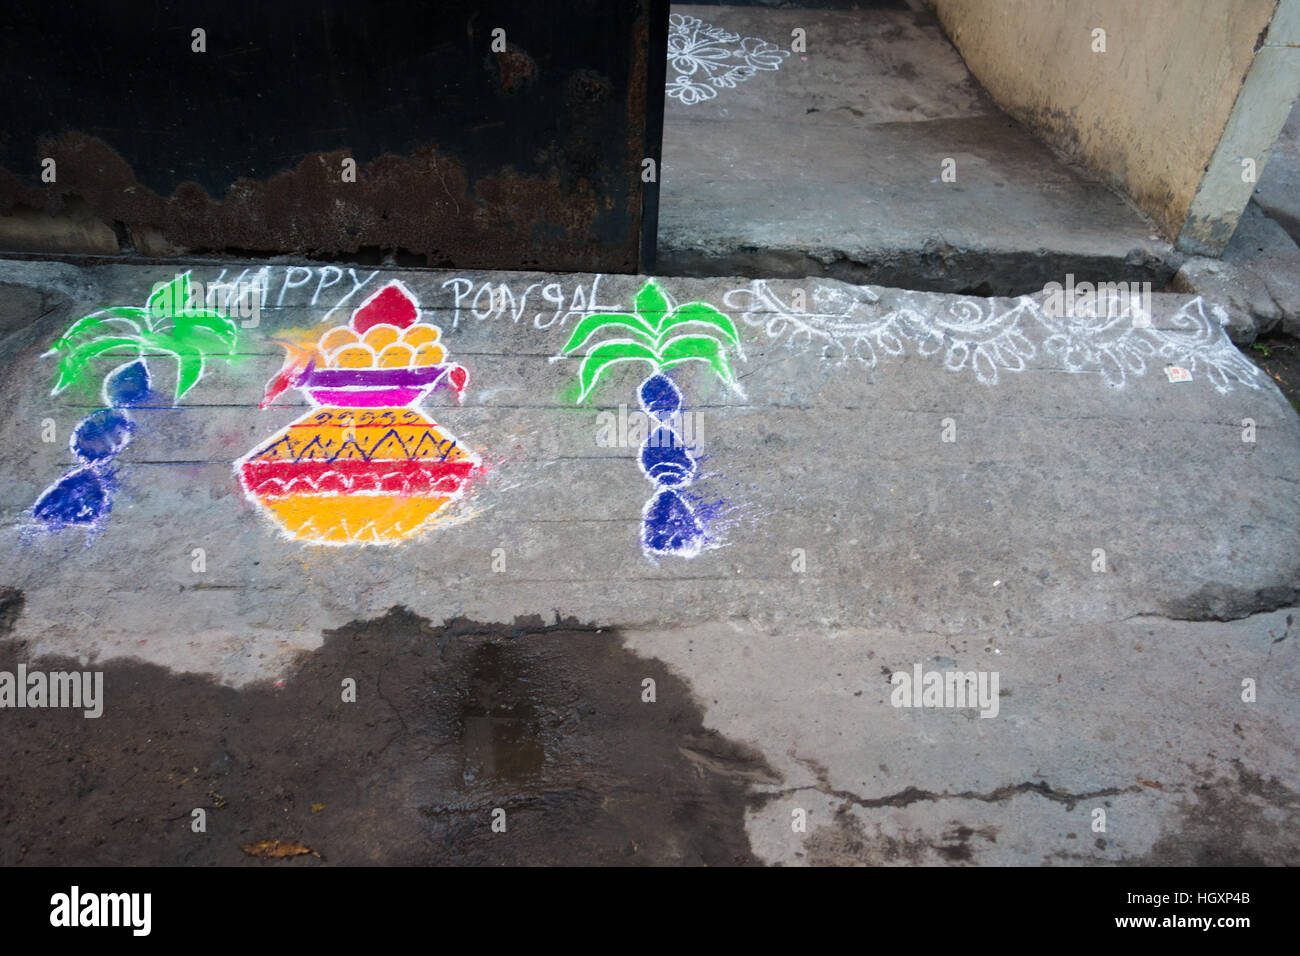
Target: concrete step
831, 162
1278, 193
898, 478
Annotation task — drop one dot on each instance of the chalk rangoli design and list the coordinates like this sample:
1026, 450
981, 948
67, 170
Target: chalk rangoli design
169, 324
366, 466
990, 337
663, 335
708, 58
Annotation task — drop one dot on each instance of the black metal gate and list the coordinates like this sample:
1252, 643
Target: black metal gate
504, 134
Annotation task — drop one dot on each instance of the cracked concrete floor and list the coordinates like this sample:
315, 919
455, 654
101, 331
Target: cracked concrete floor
853, 542
1138, 718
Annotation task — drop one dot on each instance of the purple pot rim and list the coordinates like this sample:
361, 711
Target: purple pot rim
393, 397
335, 378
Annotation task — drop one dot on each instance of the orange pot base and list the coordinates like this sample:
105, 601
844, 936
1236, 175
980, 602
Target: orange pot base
360, 519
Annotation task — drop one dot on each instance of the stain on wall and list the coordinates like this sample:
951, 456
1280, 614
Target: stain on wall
1144, 104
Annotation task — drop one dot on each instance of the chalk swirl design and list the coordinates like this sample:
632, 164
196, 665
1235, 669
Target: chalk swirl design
990, 337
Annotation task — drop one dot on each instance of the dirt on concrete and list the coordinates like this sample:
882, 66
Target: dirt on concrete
1228, 822
544, 722
1279, 357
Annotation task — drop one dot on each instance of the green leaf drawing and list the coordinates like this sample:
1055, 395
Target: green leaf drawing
169, 298
594, 323
167, 326
703, 313
663, 335
130, 313
73, 362
697, 348
188, 356
95, 323
651, 303
203, 321
608, 353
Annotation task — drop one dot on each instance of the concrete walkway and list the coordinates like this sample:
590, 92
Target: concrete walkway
1278, 193
896, 481
871, 156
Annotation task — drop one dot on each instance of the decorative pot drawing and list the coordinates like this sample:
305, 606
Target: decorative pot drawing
366, 465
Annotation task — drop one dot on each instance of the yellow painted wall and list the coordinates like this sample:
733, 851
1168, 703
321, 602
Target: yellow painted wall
1146, 114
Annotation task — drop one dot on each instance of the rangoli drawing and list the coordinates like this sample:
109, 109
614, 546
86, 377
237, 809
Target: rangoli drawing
367, 465
169, 324
708, 58
990, 337
664, 336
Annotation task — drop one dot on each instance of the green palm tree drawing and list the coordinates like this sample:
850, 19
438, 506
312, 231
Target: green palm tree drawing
658, 334
664, 336
168, 324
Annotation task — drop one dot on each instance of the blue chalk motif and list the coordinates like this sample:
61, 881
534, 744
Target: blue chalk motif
85, 494
82, 496
669, 524
665, 459
660, 397
101, 434
128, 386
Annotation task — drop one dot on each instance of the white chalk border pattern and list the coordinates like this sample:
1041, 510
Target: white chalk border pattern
990, 336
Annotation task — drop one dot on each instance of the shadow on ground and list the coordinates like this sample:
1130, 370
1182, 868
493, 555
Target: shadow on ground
450, 722
1279, 357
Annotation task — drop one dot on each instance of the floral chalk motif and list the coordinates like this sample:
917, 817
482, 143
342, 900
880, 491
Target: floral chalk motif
707, 59
663, 336
989, 337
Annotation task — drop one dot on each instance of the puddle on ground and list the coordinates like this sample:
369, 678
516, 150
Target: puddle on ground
500, 728
451, 722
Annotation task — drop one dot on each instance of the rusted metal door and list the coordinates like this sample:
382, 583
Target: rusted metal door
503, 134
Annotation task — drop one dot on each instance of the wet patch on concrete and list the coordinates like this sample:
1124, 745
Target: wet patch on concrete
545, 722
1223, 602
1243, 821
846, 842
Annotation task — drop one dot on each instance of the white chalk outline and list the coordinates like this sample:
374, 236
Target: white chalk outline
991, 336
708, 58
